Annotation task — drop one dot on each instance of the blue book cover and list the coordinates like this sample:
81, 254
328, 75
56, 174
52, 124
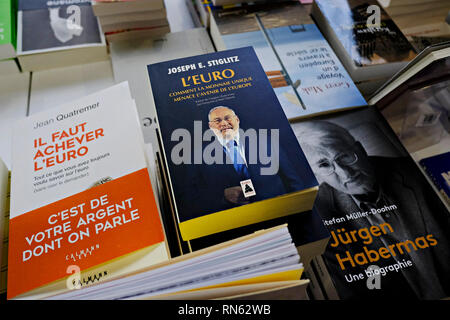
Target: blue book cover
438, 169
231, 154
306, 74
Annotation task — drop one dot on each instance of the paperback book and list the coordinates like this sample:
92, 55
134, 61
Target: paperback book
82, 205
54, 34
304, 71
231, 155
366, 39
390, 233
247, 267
7, 29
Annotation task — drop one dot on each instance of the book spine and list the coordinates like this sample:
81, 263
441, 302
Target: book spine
168, 213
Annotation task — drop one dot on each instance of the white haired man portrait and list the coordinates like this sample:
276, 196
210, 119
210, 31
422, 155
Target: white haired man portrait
353, 183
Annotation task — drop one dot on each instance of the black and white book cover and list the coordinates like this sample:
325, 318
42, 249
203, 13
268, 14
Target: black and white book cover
49, 25
390, 233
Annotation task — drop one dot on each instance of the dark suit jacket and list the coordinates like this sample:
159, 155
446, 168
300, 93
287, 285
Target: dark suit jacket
420, 212
203, 190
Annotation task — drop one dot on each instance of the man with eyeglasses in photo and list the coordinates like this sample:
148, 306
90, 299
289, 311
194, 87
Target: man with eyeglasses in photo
355, 190
340, 161
225, 124
241, 164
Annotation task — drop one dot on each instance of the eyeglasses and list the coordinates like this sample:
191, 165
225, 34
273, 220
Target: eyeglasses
327, 167
217, 121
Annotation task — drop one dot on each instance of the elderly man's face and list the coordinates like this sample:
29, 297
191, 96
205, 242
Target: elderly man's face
344, 167
224, 123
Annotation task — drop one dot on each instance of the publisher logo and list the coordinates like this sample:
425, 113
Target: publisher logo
74, 280
247, 188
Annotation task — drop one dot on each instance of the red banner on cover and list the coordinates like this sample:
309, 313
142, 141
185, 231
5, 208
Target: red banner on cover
107, 221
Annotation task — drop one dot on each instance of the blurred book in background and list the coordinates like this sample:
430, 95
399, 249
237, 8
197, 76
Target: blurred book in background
365, 38
134, 19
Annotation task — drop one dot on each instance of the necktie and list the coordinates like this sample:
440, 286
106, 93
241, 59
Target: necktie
238, 161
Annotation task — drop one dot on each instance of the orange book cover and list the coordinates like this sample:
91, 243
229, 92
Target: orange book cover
82, 205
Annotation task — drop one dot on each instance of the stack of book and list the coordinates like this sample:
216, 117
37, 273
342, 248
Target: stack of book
208, 189
53, 34
8, 11
258, 264
131, 19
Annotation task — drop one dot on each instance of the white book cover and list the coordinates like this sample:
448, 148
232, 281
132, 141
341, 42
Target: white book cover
81, 195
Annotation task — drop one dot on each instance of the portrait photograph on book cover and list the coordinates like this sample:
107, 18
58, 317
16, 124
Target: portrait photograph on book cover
227, 141
63, 25
307, 80
236, 145
390, 233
